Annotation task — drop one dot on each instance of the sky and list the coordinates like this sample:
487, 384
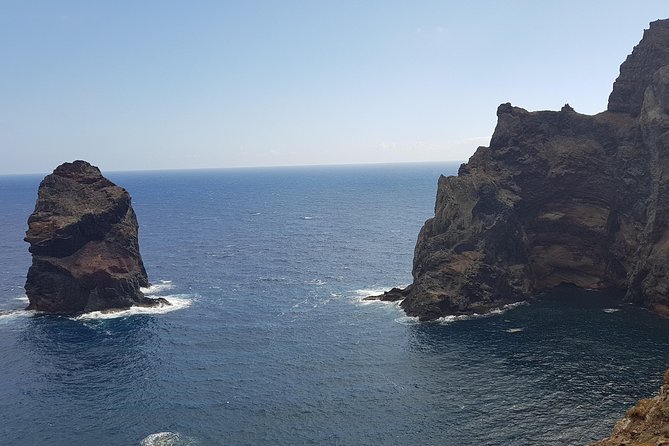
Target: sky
142, 85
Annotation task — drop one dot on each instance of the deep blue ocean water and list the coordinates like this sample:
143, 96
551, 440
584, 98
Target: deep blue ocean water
272, 345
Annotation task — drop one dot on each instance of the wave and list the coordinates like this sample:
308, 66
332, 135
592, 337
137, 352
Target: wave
178, 302
317, 282
408, 320
22, 299
307, 217
360, 295
611, 310
515, 330
366, 292
9, 315
162, 285
497, 311
385, 303
167, 439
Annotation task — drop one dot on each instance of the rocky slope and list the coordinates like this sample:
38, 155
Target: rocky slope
83, 240
645, 424
559, 197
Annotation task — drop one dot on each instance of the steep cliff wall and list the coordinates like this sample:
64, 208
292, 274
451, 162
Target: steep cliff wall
558, 198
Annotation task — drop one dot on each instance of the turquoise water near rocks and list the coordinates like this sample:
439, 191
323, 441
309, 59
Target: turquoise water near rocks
269, 342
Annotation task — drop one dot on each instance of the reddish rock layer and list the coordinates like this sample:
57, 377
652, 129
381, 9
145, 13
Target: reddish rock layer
83, 240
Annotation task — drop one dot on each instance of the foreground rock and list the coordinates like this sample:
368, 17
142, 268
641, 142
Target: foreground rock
558, 198
647, 423
83, 240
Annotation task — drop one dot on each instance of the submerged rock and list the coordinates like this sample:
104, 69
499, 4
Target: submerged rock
557, 198
83, 240
647, 423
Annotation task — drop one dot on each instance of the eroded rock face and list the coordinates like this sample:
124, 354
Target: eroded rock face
558, 198
83, 240
636, 73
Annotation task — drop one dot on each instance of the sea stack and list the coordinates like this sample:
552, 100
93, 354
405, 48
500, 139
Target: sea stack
84, 246
559, 197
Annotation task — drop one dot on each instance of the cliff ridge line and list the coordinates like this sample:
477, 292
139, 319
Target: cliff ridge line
558, 197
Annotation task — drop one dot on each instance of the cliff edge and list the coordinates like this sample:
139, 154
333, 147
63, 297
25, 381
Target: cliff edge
83, 240
647, 423
557, 198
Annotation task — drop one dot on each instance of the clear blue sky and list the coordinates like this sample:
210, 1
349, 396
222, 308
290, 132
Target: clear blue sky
133, 85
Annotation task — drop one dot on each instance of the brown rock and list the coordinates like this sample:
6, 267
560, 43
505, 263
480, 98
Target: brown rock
647, 423
393, 295
83, 240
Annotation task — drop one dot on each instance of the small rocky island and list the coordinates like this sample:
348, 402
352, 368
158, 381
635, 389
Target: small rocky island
558, 198
83, 240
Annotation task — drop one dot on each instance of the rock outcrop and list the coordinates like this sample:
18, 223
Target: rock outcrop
83, 240
645, 424
557, 198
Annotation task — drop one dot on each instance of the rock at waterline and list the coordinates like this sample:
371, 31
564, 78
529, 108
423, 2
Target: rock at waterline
83, 240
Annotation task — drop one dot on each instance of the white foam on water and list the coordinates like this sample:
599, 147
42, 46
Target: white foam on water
497, 311
307, 217
162, 285
166, 439
388, 303
366, 292
178, 302
611, 310
317, 282
22, 299
360, 295
515, 330
452, 318
10, 315
407, 320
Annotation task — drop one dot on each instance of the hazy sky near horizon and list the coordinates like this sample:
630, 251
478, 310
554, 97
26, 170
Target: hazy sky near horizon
163, 84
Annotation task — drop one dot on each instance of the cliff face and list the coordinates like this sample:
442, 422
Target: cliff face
636, 73
83, 240
647, 423
558, 198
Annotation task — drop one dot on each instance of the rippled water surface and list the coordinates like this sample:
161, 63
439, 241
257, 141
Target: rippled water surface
270, 343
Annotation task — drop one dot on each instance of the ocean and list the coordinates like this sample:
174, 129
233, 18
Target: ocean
270, 343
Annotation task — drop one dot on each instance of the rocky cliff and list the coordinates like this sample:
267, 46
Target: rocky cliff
645, 424
559, 197
83, 240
